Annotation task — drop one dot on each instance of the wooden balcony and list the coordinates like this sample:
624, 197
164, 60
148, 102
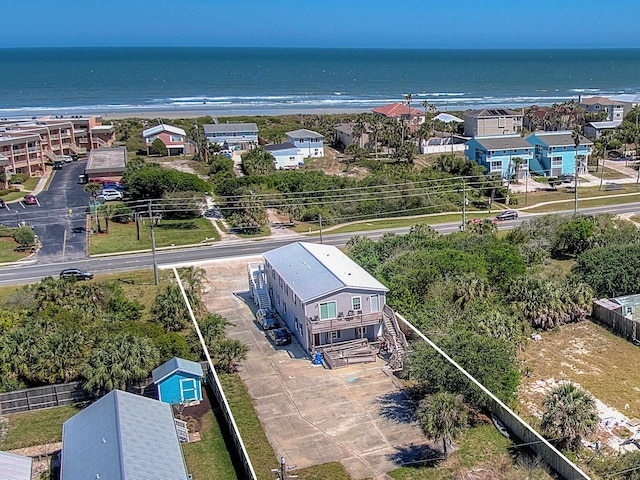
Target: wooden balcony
340, 323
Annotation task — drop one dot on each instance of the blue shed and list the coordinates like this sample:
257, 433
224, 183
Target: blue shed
178, 381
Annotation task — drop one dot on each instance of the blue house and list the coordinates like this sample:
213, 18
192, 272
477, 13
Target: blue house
286, 155
235, 136
496, 154
555, 152
122, 436
178, 381
309, 143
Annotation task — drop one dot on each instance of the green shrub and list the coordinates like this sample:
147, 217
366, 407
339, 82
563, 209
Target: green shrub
18, 178
24, 235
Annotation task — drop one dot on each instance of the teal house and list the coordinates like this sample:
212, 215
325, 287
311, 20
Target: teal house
178, 381
557, 154
497, 153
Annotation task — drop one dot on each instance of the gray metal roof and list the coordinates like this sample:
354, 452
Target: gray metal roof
276, 147
562, 138
304, 133
345, 128
15, 467
230, 127
107, 160
448, 118
502, 142
312, 270
122, 436
492, 112
174, 365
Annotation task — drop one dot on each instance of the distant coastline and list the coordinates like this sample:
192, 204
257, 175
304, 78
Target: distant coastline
281, 81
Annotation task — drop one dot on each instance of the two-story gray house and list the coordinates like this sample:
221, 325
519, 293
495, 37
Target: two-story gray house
240, 136
323, 296
492, 121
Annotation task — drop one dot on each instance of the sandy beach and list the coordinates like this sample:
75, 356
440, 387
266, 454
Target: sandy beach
216, 112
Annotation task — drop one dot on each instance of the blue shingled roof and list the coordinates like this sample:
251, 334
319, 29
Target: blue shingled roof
174, 365
122, 436
15, 467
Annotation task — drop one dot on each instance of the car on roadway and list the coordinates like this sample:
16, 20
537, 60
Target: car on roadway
66, 158
76, 273
57, 166
279, 336
30, 199
3, 204
113, 186
507, 215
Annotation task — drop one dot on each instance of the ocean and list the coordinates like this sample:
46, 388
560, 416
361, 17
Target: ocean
237, 81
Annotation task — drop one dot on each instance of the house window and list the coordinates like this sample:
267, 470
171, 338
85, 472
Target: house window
176, 138
327, 310
496, 166
360, 332
284, 306
295, 299
556, 162
286, 289
335, 334
281, 282
356, 303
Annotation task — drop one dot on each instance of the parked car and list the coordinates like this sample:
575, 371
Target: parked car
113, 186
266, 319
507, 215
30, 199
66, 158
57, 166
226, 153
76, 273
109, 195
280, 336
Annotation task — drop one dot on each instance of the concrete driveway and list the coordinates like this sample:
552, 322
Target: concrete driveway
356, 415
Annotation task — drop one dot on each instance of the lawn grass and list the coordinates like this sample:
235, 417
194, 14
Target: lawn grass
258, 447
38, 427
8, 250
483, 449
123, 238
587, 354
326, 471
209, 458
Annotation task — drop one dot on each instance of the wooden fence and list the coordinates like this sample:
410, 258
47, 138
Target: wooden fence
42, 397
615, 321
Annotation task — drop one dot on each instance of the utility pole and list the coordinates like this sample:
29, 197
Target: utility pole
153, 246
282, 471
576, 141
464, 204
320, 217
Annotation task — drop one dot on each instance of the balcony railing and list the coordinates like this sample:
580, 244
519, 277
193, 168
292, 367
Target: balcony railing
347, 320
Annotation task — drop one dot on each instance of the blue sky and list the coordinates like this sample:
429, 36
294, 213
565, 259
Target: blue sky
324, 23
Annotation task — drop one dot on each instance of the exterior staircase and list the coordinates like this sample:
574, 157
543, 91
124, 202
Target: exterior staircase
50, 155
76, 149
258, 285
395, 338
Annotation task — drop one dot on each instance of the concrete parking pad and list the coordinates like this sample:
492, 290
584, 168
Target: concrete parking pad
355, 415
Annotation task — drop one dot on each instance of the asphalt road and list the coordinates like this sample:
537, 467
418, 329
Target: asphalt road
62, 235
121, 263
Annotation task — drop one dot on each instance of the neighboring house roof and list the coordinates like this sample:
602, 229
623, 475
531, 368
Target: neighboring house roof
15, 467
598, 101
163, 128
312, 270
502, 142
176, 365
559, 139
492, 112
397, 110
106, 160
625, 97
607, 124
230, 127
448, 118
304, 133
122, 436
346, 128
103, 128
277, 147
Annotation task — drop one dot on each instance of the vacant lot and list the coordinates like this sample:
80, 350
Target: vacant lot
587, 354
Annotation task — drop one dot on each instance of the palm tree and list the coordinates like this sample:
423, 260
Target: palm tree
442, 416
570, 414
605, 140
169, 309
